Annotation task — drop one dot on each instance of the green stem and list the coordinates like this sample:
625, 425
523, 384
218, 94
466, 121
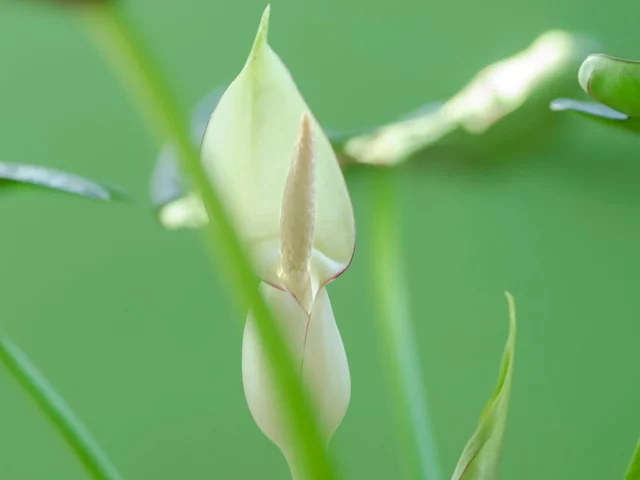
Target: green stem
58, 412
397, 338
633, 472
119, 38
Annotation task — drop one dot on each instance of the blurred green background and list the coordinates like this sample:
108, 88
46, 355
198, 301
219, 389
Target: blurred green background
133, 328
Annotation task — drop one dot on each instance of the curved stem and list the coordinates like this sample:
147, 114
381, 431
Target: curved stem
118, 37
92, 457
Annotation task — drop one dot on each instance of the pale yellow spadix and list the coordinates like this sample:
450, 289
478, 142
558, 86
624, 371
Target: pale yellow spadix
247, 150
297, 218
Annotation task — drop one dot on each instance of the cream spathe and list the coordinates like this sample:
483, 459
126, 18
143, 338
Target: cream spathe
286, 194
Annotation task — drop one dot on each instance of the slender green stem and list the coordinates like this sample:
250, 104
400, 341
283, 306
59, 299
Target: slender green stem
397, 338
119, 39
633, 472
87, 450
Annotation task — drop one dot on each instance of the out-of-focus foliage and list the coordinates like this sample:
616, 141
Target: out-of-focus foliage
615, 84
35, 385
34, 176
633, 471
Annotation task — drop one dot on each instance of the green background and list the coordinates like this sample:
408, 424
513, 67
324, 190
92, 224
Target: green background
133, 328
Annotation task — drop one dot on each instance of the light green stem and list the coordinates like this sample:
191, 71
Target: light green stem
633, 472
58, 412
397, 338
118, 37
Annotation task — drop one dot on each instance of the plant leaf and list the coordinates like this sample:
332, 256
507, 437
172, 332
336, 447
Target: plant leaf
57, 411
48, 178
598, 112
504, 104
167, 182
612, 81
480, 459
633, 472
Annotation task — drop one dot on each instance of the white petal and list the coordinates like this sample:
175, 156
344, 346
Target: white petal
247, 151
321, 357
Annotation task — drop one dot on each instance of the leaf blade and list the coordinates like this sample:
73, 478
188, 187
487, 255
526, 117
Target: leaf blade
52, 179
612, 81
480, 459
598, 112
633, 471
78, 438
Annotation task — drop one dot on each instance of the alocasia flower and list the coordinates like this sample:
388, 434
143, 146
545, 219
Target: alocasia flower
284, 189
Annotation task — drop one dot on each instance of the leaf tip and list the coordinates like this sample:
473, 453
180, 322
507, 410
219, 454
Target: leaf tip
586, 71
558, 105
261, 36
512, 316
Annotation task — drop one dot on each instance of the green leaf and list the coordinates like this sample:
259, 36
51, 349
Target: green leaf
612, 81
57, 411
480, 459
43, 177
598, 112
633, 472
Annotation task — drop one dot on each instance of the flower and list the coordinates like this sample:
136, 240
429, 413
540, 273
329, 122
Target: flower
285, 192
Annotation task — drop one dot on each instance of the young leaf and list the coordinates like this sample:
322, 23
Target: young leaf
612, 81
597, 112
480, 459
633, 472
57, 411
48, 178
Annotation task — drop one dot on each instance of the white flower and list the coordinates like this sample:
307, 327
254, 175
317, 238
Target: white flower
284, 189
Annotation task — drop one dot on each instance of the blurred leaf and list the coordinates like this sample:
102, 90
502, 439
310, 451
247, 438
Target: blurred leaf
503, 108
57, 411
598, 112
633, 472
612, 81
33, 175
480, 459
185, 212
167, 181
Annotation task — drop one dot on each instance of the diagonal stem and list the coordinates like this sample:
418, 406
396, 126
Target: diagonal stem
92, 457
118, 37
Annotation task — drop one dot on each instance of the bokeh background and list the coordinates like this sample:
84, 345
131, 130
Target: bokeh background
131, 325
